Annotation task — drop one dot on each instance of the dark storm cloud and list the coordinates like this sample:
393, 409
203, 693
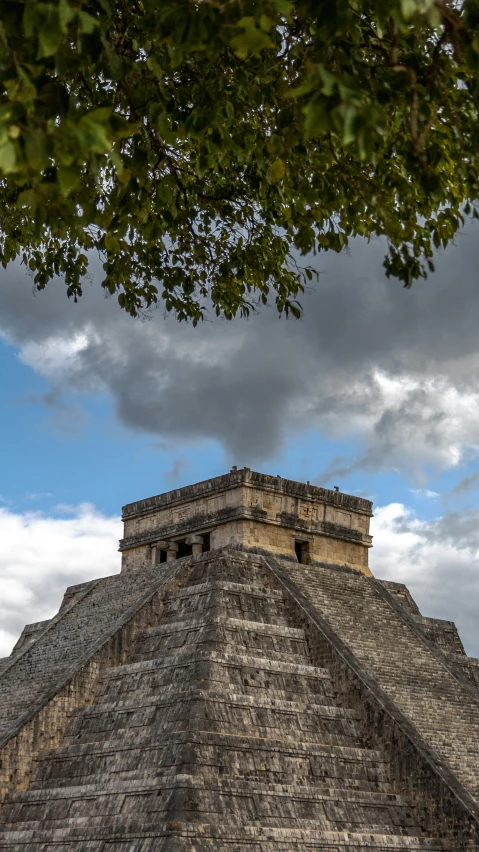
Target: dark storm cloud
397, 368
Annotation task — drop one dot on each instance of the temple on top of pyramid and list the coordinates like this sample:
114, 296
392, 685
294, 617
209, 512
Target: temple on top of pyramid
249, 509
244, 684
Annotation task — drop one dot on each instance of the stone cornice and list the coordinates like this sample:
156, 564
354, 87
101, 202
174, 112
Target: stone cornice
247, 477
204, 522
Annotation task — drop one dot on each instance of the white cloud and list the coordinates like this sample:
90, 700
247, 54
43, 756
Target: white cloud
40, 556
425, 493
406, 421
437, 560
53, 357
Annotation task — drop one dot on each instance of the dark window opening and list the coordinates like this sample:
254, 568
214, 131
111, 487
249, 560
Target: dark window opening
206, 542
301, 548
162, 557
183, 549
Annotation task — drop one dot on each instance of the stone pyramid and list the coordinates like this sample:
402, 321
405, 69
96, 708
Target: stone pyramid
243, 684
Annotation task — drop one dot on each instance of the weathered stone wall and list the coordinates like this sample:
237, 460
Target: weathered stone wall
280, 541
220, 726
135, 558
421, 717
444, 711
414, 746
53, 697
250, 509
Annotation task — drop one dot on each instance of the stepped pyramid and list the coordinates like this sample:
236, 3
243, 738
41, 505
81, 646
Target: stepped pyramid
244, 684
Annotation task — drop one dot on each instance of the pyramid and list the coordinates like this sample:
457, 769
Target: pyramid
244, 684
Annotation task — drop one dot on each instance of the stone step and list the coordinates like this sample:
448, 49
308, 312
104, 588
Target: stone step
201, 709
84, 824
154, 774
240, 672
209, 643
191, 837
262, 638
216, 754
67, 637
200, 621
182, 797
150, 784
239, 600
328, 731
236, 570
295, 747
177, 694
349, 840
322, 737
225, 586
183, 656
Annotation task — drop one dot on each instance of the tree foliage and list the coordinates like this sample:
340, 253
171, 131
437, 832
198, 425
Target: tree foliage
202, 147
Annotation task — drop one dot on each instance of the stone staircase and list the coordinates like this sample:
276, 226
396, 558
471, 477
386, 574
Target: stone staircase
218, 733
72, 633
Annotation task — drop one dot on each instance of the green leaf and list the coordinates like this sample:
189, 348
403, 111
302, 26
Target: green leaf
349, 118
329, 81
35, 150
20, 88
276, 171
284, 7
27, 198
266, 23
117, 162
68, 177
8, 157
252, 40
87, 23
65, 14
50, 34
93, 132
409, 8
317, 116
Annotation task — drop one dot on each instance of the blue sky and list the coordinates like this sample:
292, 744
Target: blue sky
374, 390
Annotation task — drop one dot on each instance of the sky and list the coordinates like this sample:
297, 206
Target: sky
374, 390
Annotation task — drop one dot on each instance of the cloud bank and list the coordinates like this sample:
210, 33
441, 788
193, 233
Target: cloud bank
397, 370
438, 560
40, 556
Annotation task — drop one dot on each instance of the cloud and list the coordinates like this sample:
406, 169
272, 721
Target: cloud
438, 560
425, 493
466, 485
37, 495
40, 556
396, 370
173, 474
407, 422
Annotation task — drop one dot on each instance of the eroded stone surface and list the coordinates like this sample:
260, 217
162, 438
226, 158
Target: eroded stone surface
219, 731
